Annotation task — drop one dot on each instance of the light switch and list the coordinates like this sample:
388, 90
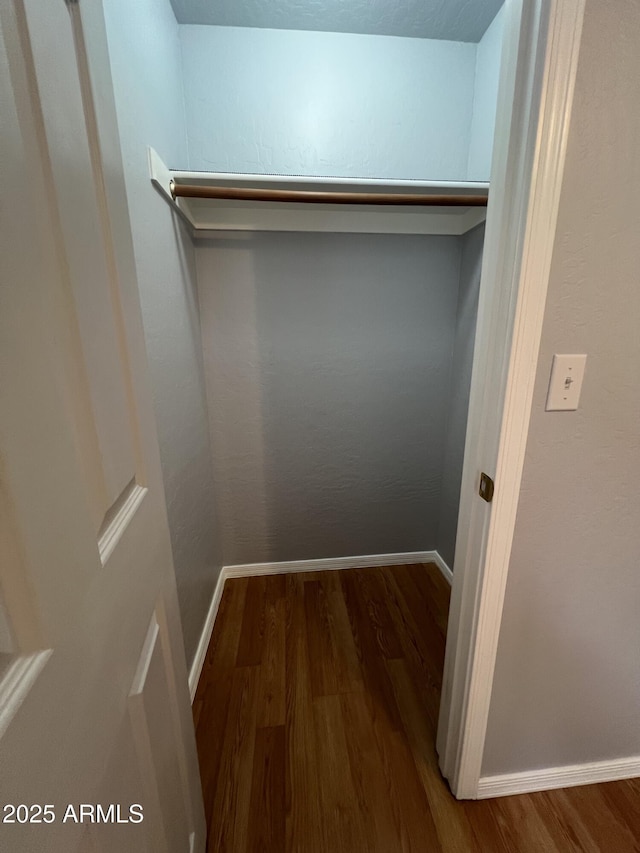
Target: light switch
567, 373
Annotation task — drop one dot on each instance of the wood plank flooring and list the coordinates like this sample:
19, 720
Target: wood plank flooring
316, 716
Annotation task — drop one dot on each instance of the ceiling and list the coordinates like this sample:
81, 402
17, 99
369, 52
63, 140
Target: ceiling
455, 20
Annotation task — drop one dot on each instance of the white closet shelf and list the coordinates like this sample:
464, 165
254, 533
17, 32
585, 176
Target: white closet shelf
207, 215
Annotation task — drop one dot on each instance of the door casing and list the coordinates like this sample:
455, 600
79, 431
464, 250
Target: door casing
537, 81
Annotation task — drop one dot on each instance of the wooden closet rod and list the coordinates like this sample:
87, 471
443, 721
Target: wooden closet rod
314, 197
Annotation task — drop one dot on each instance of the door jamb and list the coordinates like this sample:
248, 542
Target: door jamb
542, 40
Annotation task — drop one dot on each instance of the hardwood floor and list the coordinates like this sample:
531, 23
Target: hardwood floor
315, 719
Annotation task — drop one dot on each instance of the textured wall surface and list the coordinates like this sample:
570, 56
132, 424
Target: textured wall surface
304, 103
145, 58
329, 357
459, 387
485, 100
455, 20
567, 681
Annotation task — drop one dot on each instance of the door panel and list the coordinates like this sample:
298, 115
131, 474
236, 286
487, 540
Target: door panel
78, 185
155, 742
85, 557
123, 776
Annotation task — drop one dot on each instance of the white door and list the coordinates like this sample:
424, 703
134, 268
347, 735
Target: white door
94, 703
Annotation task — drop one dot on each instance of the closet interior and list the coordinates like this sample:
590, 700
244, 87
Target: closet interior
307, 190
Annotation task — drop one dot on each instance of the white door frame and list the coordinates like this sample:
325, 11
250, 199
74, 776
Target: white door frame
542, 40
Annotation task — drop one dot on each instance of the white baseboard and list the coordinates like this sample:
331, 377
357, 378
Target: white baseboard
558, 777
335, 563
205, 636
447, 573
331, 563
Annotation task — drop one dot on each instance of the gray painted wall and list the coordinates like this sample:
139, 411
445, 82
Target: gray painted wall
306, 103
458, 391
145, 58
567, 682
328, 357
485, 99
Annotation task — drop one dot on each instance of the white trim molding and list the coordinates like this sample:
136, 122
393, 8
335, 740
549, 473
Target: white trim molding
327, 564
405, 558
540, 58
205, 636
207, 217
446, 572
558, 777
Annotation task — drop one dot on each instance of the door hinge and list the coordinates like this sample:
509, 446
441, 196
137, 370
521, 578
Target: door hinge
486, 487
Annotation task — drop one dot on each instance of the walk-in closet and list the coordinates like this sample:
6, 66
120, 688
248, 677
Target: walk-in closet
308, 190
312, 365
297, 298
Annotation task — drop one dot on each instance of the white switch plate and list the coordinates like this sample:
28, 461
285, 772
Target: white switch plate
567, 373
